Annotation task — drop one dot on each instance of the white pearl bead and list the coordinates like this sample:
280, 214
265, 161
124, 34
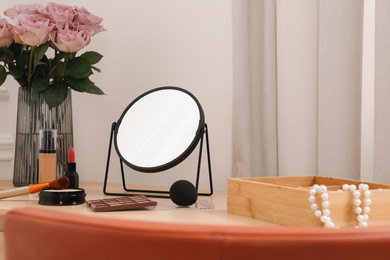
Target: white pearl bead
316, 186
312, 192
367, 202
345, 187
358, 210
326, 212
325, 204
366, 210
363, 224
322, 188
324, 219
314, 206
317, 213
357, 202
324, 196
360, 218
356, 194
352, 187
367, 194
363, 186
312, 199
330, 224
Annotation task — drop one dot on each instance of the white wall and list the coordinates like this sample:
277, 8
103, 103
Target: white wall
148, 44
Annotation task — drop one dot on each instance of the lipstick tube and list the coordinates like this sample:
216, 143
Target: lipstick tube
47, 155
71, 172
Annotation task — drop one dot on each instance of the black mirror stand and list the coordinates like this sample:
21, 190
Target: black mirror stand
157, 193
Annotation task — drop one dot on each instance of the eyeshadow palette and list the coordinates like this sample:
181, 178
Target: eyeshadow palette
120, 203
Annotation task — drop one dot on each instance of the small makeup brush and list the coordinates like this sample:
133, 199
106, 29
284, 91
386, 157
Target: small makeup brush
60, 183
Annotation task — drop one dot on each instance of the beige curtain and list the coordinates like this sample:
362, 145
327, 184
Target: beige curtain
382, 92
298, 105
254, 91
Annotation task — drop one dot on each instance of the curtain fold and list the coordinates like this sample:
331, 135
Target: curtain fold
254, 143
297, 69
382, 92
339, 87
299, 109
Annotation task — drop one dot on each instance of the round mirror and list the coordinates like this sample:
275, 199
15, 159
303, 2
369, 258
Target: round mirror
159, 129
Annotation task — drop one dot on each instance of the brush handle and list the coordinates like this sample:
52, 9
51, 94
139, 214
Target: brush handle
14, 192
32, 188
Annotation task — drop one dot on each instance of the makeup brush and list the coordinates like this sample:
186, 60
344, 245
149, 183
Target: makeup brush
60, 183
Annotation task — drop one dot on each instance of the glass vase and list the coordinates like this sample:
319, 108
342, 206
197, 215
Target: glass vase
33, 114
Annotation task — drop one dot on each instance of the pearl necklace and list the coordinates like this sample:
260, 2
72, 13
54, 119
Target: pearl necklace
362, 208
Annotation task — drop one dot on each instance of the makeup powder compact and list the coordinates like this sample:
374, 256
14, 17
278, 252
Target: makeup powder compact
53, 197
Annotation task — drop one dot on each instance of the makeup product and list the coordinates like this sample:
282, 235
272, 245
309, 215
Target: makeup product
60, 183
53, 197
71, 172
47, 154
121, 203
183, 193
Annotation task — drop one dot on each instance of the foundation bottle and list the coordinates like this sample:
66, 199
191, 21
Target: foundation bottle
47, 155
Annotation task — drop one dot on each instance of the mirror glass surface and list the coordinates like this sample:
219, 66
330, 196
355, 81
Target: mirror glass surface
159, 129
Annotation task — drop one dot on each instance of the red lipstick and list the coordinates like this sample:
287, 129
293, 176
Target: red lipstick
72, 173
71, 155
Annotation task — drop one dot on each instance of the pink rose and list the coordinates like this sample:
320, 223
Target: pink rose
17, 39
84, 19
6, 36
32, 30
22, 9
58, 13
68, 39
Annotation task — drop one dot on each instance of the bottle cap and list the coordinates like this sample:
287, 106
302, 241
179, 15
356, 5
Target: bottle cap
48, 138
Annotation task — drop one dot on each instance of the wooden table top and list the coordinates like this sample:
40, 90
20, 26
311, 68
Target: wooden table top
208, 209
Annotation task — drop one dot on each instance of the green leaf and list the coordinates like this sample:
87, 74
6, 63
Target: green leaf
41, 69
78, 68
57, 58
85, 85
58, 70
3, 75
96, 69
40, 83
16, 71
6, 55
92, 57
54, 95
22, 81
22, 60
40, 52
17, 48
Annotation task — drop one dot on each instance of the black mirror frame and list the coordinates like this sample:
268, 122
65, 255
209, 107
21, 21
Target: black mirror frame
198, 139
184, 154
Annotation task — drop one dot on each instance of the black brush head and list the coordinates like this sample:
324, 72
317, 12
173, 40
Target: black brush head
183, 193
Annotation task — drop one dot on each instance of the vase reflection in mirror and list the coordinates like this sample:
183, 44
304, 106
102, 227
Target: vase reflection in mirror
33, 114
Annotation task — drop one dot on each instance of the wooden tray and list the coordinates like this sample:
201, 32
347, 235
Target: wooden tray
284, 200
